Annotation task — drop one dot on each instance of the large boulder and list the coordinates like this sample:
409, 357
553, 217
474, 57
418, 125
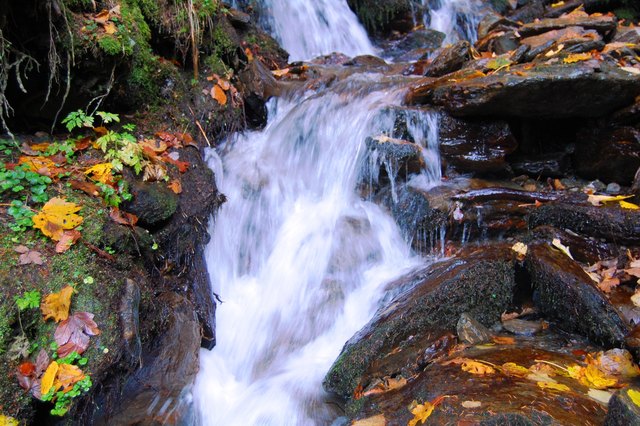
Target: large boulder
584, 89
427, 305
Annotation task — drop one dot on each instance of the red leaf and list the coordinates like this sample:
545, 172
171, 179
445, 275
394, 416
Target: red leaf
182, 166
86, 187
67, 240
123, 218
73, 333
27, 368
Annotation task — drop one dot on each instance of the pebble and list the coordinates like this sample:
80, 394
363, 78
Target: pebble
613, 188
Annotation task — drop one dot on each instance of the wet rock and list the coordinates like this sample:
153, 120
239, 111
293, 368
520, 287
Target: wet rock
544, 91
158, 392
583, 249
565, 293
623, 411
152, 202
384, 17
609, 222
613, 188
567, 36
499, 42
391, 159
498, 398
257, 85
366, 61
450, 59
627, 35
476, 146
603, 24
552, 164
471, 332
428, 302
521, 327
130, 320
494, 21
611, 155
415, 45
238, 18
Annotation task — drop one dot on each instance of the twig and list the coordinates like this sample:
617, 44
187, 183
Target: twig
200, 127
99, 252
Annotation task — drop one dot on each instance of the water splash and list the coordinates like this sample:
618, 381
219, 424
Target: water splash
298, 259
457, 19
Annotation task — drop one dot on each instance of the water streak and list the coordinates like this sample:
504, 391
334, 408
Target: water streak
457, 19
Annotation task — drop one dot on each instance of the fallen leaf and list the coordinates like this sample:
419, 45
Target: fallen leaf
520, 249
49, 376
591, 376
8, 421
110, 28
634, 395
281, 72
56, 305
218, 94
378, 420
498, 63
73, 334
600, 395
28, 256
576, 57
175, 186
86, 187
387, 385
608, 283
597, 200
558, 244
123, 218
421, 413
182, 166
67, 376
224, 84
503, 340
616, 362
477, 368
101, 173
628, 205
68, 239
56, 216
513, 369
154, 172
555, 386
27, 369
158, 146
471, 404
100, 18
631, 70
41, 165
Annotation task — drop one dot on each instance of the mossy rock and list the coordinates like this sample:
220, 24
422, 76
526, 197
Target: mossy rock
382, 17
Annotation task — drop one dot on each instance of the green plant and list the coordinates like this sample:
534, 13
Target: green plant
77, 119
29, 300
63, 400
22, 216
67, 148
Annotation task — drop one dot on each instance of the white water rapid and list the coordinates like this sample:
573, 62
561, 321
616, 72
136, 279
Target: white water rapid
299, 260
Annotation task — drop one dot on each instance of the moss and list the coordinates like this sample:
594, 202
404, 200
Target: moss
110, 45
215, 65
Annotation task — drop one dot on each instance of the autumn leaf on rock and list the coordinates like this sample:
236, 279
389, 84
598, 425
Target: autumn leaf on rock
555, 386
218, 94
576, 57
157, 146
123, 218
68, 239
520, 249
421, 412
558, 244
56, 305
629, 206
101, 173
73, 334
513, 369
55, 217
67, 376
477, 368
86, 187
172, 158
41, 165
634, 395
597, 200
48, 378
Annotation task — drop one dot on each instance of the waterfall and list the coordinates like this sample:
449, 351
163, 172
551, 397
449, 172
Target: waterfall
298, 259
458, 19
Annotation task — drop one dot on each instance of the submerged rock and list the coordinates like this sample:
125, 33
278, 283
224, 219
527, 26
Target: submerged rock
623, 410
470, 331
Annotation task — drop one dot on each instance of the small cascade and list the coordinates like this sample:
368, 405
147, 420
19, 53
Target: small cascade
458, 19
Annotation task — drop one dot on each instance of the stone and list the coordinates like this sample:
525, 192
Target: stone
471, 332
623, 411
586, 89
609, 154
521, 327
603, 24
564, 293
611, 223
613, 188
583, 249
449, 59
428, 303
552, 164
152, 202
391, 159
157, 393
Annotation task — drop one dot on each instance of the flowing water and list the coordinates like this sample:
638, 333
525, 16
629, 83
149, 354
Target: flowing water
458, 19
297, 257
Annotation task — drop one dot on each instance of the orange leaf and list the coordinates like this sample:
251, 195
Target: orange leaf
101, 17
56, 216
218, 94
41, 165
155, 145
503, 340
41, 147
49, 376
182, 166
86, 187
100, 130
224, 84
123, 218
175, 186
56, 305
110, 28
477, 368
27, 368
68, 239
68, 375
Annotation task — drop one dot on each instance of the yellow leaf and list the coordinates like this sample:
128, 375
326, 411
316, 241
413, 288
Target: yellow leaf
600, 395
56, 216
558, 244
560, 3
628, 205
68, 375
100, 173
597, 200
421, 413
56, 305
48, 377
631, 70
478, 368
521, 249
591, 376
280, 73
378, 420
8, 421
218, 94
110, 28
577, 57
555, 386
513, 369
635, 396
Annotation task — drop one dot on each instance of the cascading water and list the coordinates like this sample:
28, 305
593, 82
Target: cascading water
458, 19
297, 257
